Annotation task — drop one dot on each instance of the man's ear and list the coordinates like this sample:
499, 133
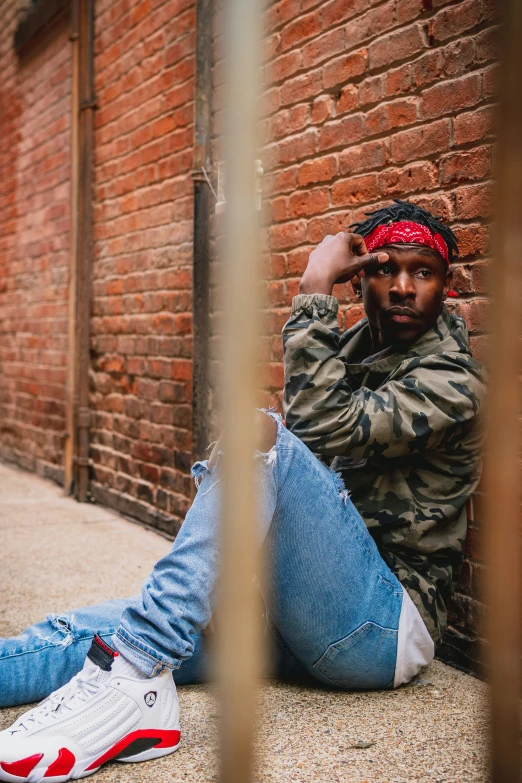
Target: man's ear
447, 282
356, 285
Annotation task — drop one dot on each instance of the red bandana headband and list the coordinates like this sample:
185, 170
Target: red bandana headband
406, 232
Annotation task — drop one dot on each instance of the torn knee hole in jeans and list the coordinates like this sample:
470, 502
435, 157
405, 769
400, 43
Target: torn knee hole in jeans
201, 468
344, 493
64, 632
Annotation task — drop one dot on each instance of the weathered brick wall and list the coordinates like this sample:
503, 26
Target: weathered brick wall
373, 100
34, 245
141, 325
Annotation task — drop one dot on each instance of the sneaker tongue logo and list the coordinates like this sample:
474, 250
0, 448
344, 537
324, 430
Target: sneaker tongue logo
101, 654
150, 698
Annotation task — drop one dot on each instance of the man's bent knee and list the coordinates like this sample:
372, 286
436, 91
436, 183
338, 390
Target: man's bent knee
265, 436
265, 431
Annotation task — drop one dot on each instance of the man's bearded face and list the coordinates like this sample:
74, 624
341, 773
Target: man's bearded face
403, 297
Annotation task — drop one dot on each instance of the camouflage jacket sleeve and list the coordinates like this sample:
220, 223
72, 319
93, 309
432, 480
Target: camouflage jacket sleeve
410, 412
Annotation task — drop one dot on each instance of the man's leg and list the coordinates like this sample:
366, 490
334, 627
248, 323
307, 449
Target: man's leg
334, 603
47, 655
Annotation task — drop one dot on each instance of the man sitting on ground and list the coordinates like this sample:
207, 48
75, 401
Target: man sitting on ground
362, 516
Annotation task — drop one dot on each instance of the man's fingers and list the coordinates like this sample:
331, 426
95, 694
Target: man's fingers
358, 245
373, 259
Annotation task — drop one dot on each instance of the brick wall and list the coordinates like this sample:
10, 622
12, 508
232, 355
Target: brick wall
34, 246
141, 325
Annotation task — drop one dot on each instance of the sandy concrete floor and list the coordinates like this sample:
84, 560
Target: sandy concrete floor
431, 731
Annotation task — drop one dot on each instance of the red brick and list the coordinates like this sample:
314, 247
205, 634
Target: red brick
475, 313
298, 117
372, 155
308, 202
323, 48
475, 201
459, 167
298, 147
490, 81
337, 11
344, 68
474, 126
473, 241
437, 204
355, 190
297, 260
451, 96
388, 116
459, 56
281, 13
418, 176
278, 265
300, 29
487, 45
322, 108
421, 142
301, 88
427, 68
281, 182
278, 125
288, 235
353, 315
340, 133
394, 46
455, 20
399, 80
279, 209
280, 69
408, 10
331, 223
318, 170
371, 90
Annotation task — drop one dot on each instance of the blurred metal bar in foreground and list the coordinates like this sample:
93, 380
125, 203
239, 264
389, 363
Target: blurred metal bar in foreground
502, 474
239, 653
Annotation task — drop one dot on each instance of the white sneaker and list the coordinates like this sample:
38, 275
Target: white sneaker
98, 716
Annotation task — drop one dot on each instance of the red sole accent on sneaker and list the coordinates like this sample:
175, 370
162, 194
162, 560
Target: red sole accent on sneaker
167, 739
62, 765
22, 767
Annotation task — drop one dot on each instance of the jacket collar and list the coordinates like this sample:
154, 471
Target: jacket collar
448, 335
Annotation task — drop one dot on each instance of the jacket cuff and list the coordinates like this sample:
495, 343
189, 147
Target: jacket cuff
321, 302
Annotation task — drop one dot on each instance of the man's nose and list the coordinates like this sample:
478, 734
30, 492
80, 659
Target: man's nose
402, 286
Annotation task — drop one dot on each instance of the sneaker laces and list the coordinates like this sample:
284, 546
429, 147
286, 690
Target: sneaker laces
82, 686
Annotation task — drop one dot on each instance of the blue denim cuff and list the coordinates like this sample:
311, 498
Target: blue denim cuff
142, 656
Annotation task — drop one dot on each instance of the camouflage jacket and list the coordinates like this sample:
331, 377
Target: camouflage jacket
401, 430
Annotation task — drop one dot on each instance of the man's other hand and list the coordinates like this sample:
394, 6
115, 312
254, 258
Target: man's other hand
337, 259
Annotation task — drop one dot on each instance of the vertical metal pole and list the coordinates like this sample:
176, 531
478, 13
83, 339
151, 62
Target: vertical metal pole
239, 647
502, 474
70, 441
202, 206
87, 106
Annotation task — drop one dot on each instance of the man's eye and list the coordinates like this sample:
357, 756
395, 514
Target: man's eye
384, 270
424, 273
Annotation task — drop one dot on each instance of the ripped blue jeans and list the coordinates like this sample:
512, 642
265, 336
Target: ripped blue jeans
332, 603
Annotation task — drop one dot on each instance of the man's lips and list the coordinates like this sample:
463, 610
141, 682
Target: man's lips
402, 314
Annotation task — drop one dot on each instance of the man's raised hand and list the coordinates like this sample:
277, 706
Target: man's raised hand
337, 259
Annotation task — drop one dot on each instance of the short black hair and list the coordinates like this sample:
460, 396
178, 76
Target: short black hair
405, 210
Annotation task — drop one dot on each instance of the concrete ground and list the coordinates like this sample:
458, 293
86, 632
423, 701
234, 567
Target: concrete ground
57, 554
